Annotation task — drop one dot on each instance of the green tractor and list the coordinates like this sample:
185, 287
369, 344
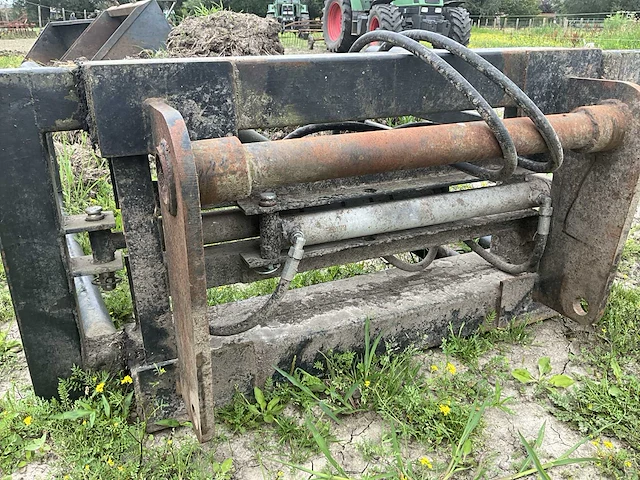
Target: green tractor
345, 20
288, 11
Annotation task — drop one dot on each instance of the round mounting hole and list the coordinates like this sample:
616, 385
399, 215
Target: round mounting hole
581, 306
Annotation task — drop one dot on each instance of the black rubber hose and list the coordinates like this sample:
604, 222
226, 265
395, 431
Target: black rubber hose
547, 132
514, 269
510, 157
262, 314
323, 127
531, 264
413, 267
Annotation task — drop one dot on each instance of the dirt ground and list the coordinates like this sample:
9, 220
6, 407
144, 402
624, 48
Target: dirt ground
15, 46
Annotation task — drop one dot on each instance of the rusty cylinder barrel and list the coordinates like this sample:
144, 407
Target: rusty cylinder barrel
229, 170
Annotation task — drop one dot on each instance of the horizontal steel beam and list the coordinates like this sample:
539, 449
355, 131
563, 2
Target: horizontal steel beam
229, 170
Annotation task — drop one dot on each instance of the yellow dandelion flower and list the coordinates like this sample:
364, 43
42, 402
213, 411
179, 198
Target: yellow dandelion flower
110, 462
451, 368
27, 420
627, 464
84, 422
66, 477
604, 329
595, 442
120, 468
87, 467
445, 409
100, 387
169, 442
607, 444
434, 368
127, 379
367, 383
280, 474
425, 462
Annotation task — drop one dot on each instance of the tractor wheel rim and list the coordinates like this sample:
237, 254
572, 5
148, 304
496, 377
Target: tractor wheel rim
374, 25
334, 22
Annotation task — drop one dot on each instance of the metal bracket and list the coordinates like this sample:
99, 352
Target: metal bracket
182, 226
86, 265
79, 223
595, 197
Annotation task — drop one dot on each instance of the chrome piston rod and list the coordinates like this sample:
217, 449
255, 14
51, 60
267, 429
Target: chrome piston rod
345, 223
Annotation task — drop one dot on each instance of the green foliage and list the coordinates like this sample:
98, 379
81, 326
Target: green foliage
598, 6
6, 307
22, 430
198, 8
77, 6
620, 31
543, 378
90, 431
611, 401
505, 7
10, 61
430, 407
231, 293
466, 349
8, 347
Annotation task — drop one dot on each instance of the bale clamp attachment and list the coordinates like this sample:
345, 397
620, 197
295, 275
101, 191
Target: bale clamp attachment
229, 207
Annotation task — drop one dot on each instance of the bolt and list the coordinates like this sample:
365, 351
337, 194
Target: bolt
94, 213
267, 199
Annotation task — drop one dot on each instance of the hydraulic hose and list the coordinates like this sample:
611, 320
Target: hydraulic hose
413, 267
289, 271
511, 89
323, 127
542, 233
510, 157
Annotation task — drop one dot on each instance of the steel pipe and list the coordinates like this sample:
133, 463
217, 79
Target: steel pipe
229, 170
93, 313
345, 223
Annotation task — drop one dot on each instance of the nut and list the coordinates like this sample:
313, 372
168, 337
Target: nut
94, 213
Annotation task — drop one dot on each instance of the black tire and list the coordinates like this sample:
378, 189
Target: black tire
460, 21
387, 17
337, 34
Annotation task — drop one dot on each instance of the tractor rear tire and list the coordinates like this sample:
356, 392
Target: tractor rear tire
460, 24
336, 25
384, 17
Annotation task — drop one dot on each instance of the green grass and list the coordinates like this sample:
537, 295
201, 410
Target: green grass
232, 293
619, 32
6, 307
90, 431
10, 61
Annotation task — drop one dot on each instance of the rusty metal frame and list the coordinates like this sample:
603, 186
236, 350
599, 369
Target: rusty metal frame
219, 97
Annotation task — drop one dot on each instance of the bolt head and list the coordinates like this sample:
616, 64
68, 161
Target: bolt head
267, 199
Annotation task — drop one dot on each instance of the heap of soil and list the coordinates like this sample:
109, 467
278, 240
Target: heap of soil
224, 34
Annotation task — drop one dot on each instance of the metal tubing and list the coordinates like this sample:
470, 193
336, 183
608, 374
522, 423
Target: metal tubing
92, 311
229, 170
345, 223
